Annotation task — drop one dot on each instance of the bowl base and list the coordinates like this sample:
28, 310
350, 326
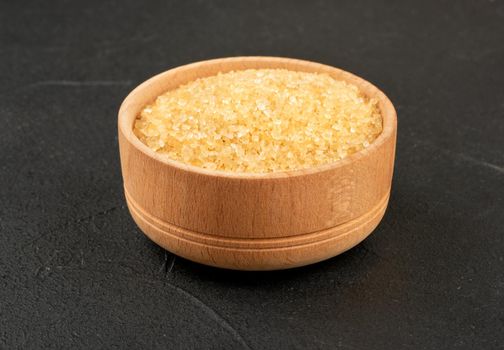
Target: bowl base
255, 254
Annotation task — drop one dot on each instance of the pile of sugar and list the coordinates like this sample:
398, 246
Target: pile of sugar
260, 121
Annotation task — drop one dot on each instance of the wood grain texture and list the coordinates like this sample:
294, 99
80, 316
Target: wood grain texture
254, 221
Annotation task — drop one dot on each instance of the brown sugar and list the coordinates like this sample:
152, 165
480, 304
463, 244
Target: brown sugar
259, 121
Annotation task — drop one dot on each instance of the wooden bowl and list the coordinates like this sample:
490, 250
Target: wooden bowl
250, 221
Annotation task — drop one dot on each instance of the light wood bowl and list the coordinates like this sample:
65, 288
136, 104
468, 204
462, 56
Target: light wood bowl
254, 221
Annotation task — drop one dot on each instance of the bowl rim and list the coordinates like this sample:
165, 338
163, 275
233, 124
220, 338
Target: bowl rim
387, 110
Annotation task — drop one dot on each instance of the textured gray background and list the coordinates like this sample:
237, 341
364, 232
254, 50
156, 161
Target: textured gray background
75, 271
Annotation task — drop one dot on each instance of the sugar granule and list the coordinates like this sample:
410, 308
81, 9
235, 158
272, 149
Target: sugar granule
260, 121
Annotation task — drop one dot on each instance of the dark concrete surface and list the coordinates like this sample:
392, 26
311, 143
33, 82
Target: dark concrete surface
75, 271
